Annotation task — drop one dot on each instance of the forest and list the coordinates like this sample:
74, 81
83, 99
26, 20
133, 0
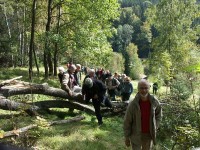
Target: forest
156, 38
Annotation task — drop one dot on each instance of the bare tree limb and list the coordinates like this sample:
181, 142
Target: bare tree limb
25, 129
9, 81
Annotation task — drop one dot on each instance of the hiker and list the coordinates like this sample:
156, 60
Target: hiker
77, 75
142, 119
95, 89
155, 88
67, 80
91, 74
126, 89
112, 85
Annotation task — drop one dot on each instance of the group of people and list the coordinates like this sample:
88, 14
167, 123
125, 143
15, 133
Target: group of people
143, 113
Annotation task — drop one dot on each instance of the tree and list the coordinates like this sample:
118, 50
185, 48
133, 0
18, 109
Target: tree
176, 34
135, 65
32, 40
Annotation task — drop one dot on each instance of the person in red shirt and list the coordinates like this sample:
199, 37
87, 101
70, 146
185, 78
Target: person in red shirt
142, 119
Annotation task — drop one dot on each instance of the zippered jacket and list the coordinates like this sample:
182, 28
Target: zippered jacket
132, 119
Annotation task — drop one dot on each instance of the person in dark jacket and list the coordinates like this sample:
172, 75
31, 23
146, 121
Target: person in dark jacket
95, 90
126, 89
155, 88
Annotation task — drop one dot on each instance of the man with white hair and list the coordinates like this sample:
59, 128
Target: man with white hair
95, 90
67, 79
142, 119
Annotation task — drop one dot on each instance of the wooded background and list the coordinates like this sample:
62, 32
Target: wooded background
110, 34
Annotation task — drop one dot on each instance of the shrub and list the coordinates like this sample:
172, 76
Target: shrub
180, 87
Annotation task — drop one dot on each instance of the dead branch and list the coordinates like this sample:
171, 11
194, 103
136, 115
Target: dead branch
75, 119
19, 131
10, 81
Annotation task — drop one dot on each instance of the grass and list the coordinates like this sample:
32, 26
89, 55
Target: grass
85, 135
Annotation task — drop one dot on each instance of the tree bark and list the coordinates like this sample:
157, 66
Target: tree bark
32, 40
29, 88
55, 59
47, 54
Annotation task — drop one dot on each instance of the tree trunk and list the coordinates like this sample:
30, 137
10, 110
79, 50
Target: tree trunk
32, 40
56, 44
35, 58
47, 55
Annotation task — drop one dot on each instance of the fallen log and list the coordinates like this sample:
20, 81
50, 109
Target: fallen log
28, 88
19, 131
75, 119
64, 104
10, 81
32, 109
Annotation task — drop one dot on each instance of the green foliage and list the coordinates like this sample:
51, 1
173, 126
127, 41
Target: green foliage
186, 137
179, 126
86, 37
116, 63
180, 87
161, 70
193, 68
135, 64
173, 20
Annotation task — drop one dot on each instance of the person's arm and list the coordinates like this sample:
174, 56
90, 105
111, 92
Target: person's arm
158, 114
65, 82
131, 87
118, 83
128, 119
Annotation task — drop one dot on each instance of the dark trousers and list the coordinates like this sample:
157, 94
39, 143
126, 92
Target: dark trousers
125, 96
155, 90
107, 102
97, 103
112, 94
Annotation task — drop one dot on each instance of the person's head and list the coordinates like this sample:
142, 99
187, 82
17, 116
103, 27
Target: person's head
61, 69
91, 72
88, 82
78, 67
110, 76
72, 68
127, 79
123, 76
116, 75
143, 88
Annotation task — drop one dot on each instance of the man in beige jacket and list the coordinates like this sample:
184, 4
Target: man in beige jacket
142, 119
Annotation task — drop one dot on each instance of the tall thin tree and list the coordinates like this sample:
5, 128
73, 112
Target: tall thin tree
47, 54
32, 40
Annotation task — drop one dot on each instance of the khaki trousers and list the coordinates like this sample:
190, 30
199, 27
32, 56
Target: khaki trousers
146, 143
